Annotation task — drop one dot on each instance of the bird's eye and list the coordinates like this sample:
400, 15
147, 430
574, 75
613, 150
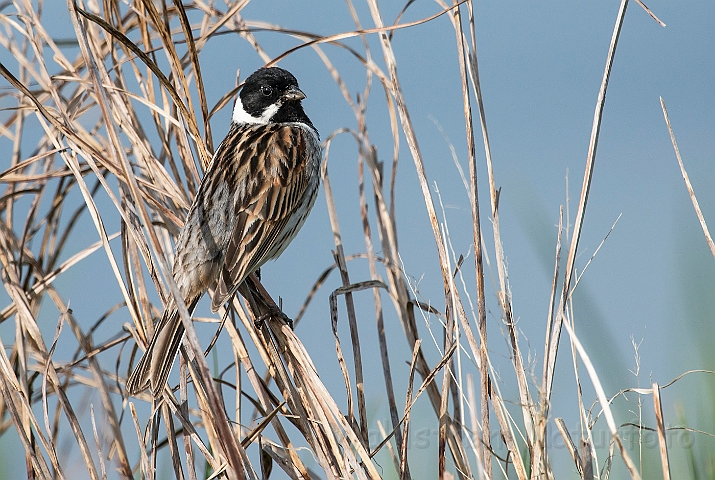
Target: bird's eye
266, 90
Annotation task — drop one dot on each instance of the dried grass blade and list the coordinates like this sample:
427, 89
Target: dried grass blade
404, 470
474, 426
426, 383
44, 280
603, 400
19, 410
261, 391
177, 69
307, 400
648, 10
171, 441
660, 427
380, 29
194, 55
186, 115
326, 410
100, 454
379, 320
481, 353
5, 176
189, 429
552, 299
339, 255
407, 127
508, 436
688, 185
586, 187
144, 467
339, 353
258, 429
568, 441
100, 384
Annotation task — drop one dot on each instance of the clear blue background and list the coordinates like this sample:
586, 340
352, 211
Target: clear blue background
541, 65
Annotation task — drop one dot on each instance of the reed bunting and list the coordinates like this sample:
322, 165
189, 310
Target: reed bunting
256, 194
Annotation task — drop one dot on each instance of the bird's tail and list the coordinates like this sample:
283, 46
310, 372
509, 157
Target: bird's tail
154, 367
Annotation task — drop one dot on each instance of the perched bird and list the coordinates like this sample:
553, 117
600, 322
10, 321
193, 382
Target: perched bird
256, 194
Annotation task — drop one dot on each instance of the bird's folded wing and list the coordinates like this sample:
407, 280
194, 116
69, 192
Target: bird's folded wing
275, 190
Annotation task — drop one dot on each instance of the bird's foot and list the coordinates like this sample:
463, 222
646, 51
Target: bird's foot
273, 312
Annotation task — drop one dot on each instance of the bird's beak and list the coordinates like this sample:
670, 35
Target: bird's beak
293, 94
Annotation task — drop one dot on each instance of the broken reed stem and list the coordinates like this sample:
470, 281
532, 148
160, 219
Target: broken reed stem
660, 428
568, 441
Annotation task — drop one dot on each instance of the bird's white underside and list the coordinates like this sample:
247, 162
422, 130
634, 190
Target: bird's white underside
240, 115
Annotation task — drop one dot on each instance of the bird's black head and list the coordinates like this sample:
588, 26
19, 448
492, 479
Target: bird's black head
270, 95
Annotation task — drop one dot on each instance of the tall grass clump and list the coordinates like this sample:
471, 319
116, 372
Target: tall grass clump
106, 136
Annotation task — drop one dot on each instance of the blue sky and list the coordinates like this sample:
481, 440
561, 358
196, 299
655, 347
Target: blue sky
541, 65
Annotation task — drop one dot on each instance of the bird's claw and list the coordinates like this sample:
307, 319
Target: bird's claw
273, 312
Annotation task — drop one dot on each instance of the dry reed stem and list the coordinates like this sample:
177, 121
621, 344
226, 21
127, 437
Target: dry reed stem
688, 185
529, 414
379, 318
570, 446
227, 440
480, 352
586, 449
660, 428
407, 128
339, 256
404, 465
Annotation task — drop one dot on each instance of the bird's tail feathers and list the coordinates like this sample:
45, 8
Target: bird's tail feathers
154, 367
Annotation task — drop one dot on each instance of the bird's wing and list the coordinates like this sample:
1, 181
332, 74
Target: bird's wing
274, 178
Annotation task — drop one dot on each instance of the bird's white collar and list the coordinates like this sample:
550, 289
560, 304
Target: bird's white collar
240, 115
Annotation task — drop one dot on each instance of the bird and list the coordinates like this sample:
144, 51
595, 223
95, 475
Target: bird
256, 194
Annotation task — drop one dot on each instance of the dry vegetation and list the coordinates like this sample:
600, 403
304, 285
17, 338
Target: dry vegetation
87, 139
